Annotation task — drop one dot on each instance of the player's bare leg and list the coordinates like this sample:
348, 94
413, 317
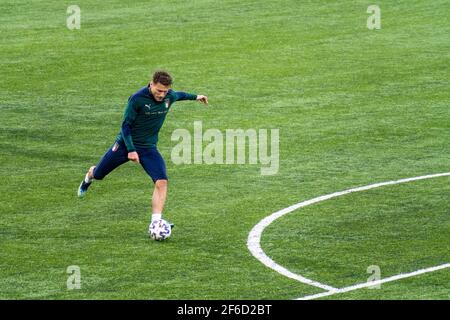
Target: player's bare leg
159, 198
91, 173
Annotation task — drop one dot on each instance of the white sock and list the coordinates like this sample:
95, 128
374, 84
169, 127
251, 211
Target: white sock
156, 216
86, 179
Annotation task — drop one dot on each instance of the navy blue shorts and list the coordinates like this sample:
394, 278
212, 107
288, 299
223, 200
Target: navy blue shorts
150, 159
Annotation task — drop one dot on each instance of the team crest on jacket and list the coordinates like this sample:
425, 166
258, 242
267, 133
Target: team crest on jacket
167, 102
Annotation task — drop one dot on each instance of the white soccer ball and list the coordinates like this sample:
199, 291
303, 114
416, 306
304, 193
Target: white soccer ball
159, 230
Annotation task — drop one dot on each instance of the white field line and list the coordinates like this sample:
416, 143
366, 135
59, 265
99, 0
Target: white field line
374, 283
254, 237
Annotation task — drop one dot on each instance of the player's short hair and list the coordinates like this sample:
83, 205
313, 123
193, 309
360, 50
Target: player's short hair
162, 77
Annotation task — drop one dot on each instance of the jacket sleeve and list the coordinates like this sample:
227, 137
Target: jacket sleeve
128, 120
180, 95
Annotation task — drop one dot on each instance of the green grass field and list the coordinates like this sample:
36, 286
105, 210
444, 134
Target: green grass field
353, 107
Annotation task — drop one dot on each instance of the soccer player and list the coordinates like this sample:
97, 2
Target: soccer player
144, 116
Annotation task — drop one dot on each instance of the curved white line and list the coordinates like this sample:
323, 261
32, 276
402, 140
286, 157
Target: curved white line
254, 237
374, 283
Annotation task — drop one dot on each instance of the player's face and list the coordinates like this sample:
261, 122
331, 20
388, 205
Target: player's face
159, 91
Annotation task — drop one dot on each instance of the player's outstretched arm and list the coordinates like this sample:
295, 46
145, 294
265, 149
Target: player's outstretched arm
180, 96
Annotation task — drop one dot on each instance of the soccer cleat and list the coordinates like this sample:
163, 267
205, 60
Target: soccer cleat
82, 189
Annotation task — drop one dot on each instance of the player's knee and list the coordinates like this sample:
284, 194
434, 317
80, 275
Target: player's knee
161, 184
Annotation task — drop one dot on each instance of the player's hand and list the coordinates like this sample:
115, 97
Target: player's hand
133, 156
203, 99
